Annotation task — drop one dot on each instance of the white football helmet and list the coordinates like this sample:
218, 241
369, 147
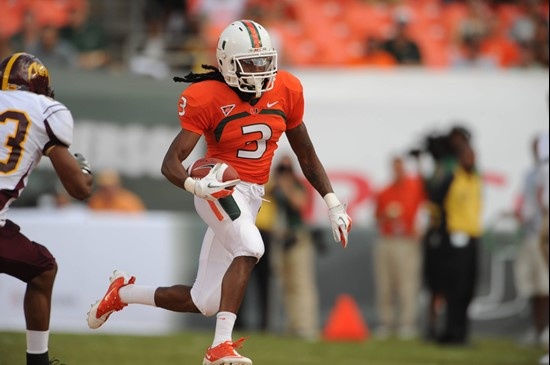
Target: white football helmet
246, 57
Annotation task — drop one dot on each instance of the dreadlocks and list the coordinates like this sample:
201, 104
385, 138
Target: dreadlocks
192, 77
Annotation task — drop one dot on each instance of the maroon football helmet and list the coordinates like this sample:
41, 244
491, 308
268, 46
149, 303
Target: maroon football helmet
23, 71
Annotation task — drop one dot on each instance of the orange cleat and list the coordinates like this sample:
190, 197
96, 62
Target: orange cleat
111, 302
225, 354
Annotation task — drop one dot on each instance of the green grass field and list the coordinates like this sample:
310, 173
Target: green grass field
188, 349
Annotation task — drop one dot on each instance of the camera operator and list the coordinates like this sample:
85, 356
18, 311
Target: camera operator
450, 245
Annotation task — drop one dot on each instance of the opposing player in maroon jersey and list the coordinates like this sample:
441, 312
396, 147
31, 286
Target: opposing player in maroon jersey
32, 125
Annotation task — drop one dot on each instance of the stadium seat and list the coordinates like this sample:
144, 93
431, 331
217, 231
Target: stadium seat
453, 15
54, 13
11, 17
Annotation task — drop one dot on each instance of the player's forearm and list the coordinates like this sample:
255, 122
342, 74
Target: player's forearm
315, 173
178, 151
174, 171
75, 181
309, 161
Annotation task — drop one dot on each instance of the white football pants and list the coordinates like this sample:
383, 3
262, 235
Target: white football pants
231, 233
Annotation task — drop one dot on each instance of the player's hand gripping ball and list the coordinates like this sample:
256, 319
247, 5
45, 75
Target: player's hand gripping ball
214, 178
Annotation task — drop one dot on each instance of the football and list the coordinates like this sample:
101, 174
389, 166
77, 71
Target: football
202, 167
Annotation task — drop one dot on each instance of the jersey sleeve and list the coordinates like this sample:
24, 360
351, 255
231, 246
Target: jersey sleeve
193, 111
296, 107
58, 124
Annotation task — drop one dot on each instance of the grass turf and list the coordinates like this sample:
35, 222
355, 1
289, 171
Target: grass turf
188, 349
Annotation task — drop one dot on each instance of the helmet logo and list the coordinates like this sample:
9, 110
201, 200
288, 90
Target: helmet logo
36, 69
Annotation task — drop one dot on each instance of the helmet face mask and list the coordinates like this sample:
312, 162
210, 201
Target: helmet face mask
256, 73
246, 57
22, 71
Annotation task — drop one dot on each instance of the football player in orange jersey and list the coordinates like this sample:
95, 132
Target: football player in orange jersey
242, 107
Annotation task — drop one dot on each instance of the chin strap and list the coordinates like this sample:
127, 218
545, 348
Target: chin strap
258, 83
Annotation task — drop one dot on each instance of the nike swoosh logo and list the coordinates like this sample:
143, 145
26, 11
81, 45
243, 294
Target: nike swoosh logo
269, 105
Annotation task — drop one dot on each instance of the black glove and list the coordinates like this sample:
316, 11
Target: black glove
83, 163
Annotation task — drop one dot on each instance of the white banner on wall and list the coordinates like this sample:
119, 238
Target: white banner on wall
358, 120
88, 247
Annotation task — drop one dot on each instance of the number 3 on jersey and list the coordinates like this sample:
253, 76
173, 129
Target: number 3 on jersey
14, 143
261, 143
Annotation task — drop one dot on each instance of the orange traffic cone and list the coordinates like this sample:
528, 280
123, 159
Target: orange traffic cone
346, 322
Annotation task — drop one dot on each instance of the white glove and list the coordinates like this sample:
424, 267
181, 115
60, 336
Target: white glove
209, 187
83, 163
339, 219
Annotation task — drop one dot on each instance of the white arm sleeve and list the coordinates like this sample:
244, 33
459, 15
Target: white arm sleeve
58, 123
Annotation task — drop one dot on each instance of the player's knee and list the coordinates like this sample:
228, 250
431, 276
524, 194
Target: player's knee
45, 280
207, 305
256, 251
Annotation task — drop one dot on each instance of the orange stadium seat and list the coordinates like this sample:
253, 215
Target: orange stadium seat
453, 15
54, 13
502, 49
297, 49
507, 15
11, 17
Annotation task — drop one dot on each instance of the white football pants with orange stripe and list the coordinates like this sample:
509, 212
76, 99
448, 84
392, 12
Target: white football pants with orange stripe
231, 233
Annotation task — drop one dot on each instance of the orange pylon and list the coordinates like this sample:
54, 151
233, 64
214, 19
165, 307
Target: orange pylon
346, 322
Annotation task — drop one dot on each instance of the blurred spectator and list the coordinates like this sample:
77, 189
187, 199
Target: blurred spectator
397, 253
296, 265
29, 36
512, 33
219, 13
261, 275
442, 149
544, 197
523, 29
531, 269
111, 196
5, 48
478, 20
541, 44
150, 60
51, 50
459, 203
500, 47
402, 47
470, 55
375, 55
87, 37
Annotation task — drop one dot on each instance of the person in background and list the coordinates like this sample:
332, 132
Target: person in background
261, 275
402, 47
531, 269
544, 197
87, 37
296, 264
53, 50
470, 55
28, 37
111, 196
374, 55
398, 252
443, 150
459, 200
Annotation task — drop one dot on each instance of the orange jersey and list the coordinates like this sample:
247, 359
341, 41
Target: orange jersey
243, 135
